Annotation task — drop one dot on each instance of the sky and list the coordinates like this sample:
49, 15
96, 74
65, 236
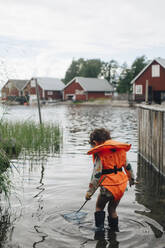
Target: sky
42, 37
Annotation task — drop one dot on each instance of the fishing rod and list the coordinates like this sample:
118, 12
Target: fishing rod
91, 194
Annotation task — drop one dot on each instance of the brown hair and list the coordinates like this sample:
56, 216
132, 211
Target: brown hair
100, 135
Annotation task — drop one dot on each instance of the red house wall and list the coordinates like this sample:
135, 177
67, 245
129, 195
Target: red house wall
9, 92
96, 95
12, 91
71, 90
33, 91
80, 97
157, 83
55, 95
45, 96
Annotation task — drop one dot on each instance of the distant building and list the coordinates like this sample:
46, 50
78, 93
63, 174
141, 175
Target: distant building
149, 84
84, 89
49, 88
14, 89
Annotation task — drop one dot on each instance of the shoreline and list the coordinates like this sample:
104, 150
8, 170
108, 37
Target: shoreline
113, 103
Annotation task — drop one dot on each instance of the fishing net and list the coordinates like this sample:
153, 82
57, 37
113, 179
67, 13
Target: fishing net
75, 217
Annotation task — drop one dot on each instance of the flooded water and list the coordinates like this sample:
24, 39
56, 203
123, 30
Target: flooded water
48, 187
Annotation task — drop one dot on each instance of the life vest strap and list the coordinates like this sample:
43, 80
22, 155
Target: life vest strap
110, 171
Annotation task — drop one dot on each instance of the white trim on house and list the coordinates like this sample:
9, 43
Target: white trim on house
158, 60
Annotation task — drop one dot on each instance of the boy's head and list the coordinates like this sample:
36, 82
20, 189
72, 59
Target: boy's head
99, 136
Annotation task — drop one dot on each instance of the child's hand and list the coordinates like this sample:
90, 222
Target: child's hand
88, 196
131, 181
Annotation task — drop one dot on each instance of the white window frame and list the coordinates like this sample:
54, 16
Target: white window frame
155, 70
108, 93
79, 92
50, 93
33, 83
139, 89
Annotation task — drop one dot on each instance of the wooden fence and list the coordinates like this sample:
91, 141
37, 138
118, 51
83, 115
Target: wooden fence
152, 136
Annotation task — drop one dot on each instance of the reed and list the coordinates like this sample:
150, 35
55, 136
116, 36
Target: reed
26, 138
29, 136
5, 169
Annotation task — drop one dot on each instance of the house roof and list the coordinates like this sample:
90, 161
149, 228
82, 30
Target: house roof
159, 60
93, 84
50, 83
19, 84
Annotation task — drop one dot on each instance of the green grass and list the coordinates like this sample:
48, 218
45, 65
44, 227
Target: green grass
5, 183
27, 139
29, 136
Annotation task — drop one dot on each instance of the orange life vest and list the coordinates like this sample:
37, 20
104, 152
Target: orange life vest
113, 156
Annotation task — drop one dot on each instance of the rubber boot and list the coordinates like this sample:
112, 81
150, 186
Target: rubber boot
99, 225
99, 220
113, 224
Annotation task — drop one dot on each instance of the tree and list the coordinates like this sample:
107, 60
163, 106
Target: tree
83, 68
109, 71
91, 68
128, 74
73, 70
138, 65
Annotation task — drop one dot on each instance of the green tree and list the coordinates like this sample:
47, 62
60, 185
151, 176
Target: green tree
138, 65
83, 68
124, 79
109, 71
128, 74
73, 70
91, 68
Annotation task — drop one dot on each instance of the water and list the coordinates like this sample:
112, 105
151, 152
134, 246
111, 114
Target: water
47, 188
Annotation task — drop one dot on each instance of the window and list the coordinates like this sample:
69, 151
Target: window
155, 70
139, 89
79, 92
33, 83
107, 93
50, 93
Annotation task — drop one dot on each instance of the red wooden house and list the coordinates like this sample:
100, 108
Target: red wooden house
49, 88
84, 89
14, 88
149, 84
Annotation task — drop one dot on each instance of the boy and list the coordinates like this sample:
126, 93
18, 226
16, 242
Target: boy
109, 157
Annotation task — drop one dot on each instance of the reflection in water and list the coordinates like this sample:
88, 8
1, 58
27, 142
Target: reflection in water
39, 210
50, 186
109, 242
150, 192
4, 225
41, 234
40, 187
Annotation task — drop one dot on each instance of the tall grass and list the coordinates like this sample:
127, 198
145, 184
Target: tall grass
29, 136
5, 183
26, 138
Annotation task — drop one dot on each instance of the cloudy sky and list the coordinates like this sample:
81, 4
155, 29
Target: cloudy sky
41, 37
